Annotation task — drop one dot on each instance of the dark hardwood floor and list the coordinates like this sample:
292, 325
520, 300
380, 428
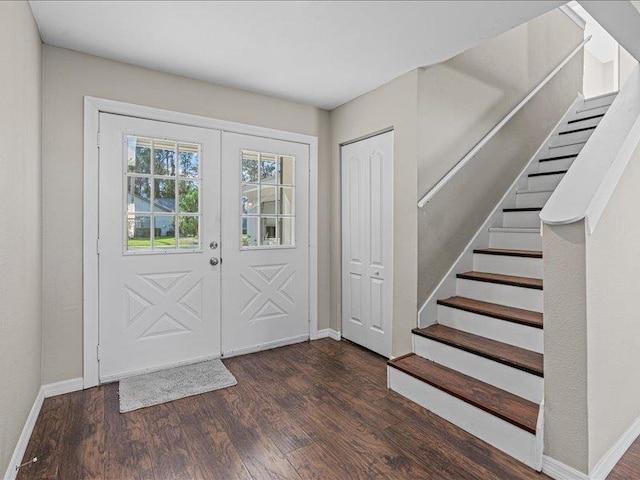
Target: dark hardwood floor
316, 410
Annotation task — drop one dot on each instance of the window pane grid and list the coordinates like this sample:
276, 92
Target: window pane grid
162, 195
267, 200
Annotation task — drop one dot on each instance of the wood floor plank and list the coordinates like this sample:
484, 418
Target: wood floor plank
329, 398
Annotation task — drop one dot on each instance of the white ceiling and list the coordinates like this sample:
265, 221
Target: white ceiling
318, 53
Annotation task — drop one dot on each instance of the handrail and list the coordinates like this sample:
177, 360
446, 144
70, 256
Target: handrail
592, 179
458, 166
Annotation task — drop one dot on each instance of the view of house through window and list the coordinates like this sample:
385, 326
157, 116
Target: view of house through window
162, 195
267, 200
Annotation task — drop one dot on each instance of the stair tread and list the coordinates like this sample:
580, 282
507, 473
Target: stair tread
507, 252
559, 157
509, 407
502, 312
542, 174
576, 130
526, 282
516, 357
585, 118
522, 209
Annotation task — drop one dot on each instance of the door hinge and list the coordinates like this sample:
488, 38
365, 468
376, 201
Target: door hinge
98, 351
98, 246
98, 139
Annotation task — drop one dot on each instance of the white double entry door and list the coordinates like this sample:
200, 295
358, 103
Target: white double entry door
203, 244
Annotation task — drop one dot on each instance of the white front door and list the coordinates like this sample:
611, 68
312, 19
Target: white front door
367, 242
159, 212
265, 243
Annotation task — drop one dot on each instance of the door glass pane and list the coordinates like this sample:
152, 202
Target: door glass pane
285, 200
188, 232
138, 155
138, 194
268, 200
269, 231
164, 231
268, 168
250, 162
164, 157
286, 232
287, 165
164, 196
138, 232
250, 200
189, 196
250, 232
189, 159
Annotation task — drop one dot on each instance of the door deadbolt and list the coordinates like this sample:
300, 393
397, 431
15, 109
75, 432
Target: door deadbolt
214, 261
213, 245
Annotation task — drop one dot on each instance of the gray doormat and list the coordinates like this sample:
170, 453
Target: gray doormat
167, 385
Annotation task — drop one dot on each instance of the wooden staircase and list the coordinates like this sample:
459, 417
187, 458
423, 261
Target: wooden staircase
479, 363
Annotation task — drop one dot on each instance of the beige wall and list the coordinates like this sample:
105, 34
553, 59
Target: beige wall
391, 105
459, 102
613, 316
68, 76
20, 217
565, 345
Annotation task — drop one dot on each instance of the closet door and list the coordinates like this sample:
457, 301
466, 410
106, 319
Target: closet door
367, 242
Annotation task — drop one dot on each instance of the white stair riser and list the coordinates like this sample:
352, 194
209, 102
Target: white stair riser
506, 265
532, 199
515, 240
604, 101
564, 150
570, 138
503, 331
545, 182
519, 297
501, 434
523, 384
555, 165
525, 219
493, 430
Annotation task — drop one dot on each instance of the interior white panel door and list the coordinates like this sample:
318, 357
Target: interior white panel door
367, 242
159, 210
265, 246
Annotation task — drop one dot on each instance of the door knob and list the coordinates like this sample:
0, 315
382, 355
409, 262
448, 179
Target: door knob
214, 261
213, 245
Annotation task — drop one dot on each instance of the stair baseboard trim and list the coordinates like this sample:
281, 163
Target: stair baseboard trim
25, 436
615, 453
329, 333
499, 433
560, 471
60, 388
447, 285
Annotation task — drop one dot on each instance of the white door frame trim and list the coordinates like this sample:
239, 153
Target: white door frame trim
92, 108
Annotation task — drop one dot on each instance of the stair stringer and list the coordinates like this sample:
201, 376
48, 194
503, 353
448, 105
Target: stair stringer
427, 314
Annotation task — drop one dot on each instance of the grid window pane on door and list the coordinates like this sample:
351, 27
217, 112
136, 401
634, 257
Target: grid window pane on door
162, 195
267, 198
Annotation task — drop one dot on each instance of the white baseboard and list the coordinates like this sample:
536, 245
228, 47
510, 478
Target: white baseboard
60, 388
560, 471
46, 391
23, 441
615, 453
329, 333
